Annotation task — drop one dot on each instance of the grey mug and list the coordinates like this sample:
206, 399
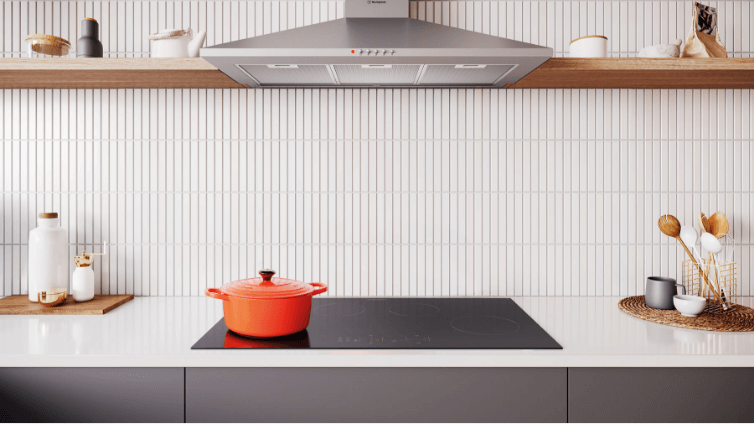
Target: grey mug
660, 291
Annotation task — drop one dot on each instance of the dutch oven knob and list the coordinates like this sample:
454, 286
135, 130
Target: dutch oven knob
267, 276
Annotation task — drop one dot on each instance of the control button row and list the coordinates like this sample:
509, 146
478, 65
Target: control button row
375, 52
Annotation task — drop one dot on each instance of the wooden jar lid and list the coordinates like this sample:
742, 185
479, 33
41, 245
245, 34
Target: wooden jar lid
48, 215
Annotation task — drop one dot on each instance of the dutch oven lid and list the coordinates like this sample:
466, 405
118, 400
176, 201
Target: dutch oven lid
266, 287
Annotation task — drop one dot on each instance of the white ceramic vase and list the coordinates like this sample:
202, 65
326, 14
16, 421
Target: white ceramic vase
48, 255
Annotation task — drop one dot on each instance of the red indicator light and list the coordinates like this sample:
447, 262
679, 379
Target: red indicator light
352, 51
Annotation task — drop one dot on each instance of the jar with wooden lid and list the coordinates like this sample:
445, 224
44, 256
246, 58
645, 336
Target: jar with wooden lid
82, 282
48, 255
43, 45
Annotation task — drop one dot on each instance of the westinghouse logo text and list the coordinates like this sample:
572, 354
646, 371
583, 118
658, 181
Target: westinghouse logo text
376, 1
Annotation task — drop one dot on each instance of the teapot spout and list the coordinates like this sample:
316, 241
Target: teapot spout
196, 43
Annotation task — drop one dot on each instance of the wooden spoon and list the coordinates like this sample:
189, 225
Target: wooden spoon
670, 226
718, 224
704, 227
703, 222
719, 227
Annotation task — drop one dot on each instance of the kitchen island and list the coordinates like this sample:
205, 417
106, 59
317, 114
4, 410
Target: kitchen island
612, 365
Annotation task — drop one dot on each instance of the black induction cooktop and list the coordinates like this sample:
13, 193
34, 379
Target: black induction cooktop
416, 323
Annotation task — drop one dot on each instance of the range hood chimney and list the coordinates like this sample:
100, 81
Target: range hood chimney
376, 44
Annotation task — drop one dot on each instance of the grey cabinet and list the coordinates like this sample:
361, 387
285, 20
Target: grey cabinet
91, 394
660, 394
376, 394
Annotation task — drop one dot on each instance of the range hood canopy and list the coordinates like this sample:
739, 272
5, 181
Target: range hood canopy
385, 49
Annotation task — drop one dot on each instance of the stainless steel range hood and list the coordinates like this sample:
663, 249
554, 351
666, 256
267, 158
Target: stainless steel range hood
376, 44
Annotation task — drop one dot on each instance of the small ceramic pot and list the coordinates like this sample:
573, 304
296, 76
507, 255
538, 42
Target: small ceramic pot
589, 46
659, 292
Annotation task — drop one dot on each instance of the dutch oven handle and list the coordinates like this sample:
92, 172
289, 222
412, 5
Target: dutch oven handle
216, 294
322, 289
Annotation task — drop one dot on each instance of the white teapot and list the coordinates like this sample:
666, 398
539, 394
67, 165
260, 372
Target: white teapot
177, 43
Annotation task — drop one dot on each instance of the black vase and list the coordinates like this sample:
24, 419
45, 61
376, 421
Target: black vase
89, 45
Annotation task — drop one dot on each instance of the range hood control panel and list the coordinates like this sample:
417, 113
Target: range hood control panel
373, 52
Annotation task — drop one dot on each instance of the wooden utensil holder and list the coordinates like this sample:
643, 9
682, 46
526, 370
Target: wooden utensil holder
727, 280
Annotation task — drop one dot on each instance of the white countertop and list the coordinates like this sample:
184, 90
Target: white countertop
159, 332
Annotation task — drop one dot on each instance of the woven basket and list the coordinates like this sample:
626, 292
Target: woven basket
741, 318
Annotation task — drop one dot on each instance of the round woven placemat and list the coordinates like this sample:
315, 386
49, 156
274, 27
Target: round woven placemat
740, 318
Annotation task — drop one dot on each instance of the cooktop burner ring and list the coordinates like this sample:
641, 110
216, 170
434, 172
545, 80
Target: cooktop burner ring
414, 309
481, 325
339, 310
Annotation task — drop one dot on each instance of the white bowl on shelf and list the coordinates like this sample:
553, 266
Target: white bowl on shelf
589, 46
689, 306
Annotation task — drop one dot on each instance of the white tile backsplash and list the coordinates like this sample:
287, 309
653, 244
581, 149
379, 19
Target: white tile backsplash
378, 192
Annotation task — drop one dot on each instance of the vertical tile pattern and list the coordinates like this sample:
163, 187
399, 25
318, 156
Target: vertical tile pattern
379, 192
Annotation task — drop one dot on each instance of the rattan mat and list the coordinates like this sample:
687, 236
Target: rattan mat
740, 318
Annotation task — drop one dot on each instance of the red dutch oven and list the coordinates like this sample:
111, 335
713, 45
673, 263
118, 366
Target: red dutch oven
266, 306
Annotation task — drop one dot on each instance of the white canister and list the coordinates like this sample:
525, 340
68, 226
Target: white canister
48, 255
82, 282
589, 46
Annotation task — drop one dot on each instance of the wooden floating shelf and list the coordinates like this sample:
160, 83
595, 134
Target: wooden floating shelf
555, 73
112, 73
641, 73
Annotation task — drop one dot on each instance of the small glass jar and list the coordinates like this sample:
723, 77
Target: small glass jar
41, 45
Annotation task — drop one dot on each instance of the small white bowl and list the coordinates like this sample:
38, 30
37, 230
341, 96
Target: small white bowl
689, 306
589, 46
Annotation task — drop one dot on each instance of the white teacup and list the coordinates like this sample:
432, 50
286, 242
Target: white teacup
689, 306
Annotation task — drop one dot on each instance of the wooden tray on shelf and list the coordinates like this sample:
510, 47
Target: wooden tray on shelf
100, 305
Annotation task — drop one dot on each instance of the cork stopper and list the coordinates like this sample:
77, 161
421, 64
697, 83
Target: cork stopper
90, 19
48, 215
87, 259
83, 260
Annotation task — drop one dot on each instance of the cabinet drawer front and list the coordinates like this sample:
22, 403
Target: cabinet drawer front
376, 394
660, 394
91, 394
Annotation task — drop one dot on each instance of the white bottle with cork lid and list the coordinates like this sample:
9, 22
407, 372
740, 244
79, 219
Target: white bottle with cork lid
48, 255
82, 282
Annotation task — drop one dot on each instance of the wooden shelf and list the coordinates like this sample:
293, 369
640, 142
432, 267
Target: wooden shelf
112, 73
198, 73
641, 73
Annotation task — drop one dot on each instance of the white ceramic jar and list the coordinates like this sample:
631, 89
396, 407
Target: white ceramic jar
82, 282
589, 46
177, 43
48, 255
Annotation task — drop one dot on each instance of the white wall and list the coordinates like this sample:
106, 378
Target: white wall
378, 192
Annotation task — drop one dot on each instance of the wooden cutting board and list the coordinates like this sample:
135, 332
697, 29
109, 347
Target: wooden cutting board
101, 304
